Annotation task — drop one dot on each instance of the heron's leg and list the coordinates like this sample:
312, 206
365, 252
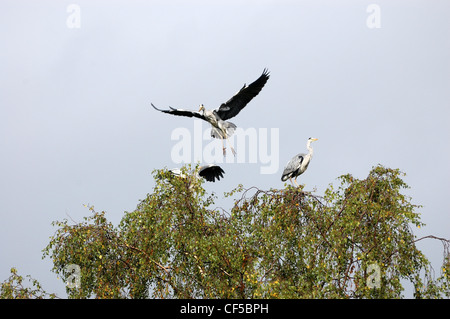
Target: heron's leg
232, 149
295, 180
290, 178
224, 148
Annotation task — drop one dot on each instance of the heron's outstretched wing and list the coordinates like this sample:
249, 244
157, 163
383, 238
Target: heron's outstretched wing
292, 166
211, 172
234, 105
181, 112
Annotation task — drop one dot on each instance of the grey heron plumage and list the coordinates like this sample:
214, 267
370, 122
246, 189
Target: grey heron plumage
220, 127
298, 164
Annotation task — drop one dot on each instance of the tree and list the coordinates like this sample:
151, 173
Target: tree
14, 288
355, 241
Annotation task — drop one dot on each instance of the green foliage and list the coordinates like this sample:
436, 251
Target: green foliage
285, 243
14, 288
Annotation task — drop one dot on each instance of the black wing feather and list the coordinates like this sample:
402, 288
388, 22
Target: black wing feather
181, 112
211, 172
234, 105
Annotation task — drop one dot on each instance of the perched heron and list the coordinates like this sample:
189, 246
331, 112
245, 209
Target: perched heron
298, 164
209, 172
220, 128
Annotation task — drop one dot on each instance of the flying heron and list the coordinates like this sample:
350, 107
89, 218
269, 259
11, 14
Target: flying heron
209, 172
220, 128
298, 164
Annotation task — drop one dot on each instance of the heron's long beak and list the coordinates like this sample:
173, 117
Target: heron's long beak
315, 139
201, 107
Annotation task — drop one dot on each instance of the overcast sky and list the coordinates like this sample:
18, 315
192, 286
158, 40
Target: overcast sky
369, 79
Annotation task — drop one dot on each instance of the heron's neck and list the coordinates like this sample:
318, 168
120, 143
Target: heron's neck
310, 149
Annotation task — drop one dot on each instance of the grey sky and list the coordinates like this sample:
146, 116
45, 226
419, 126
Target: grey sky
76, 125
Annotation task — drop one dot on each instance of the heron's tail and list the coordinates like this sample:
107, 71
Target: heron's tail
230, 127
226, 130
